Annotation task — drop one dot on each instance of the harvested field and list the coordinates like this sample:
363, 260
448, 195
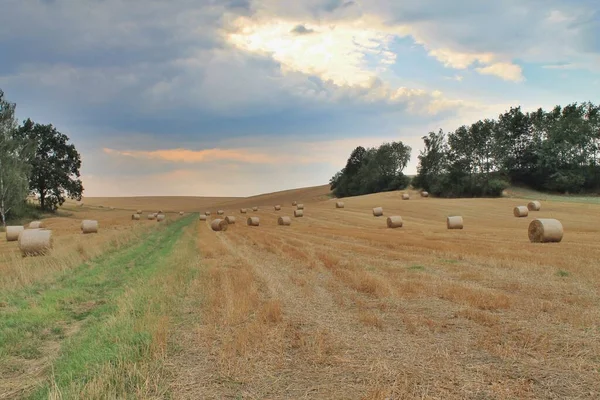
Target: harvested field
338, 306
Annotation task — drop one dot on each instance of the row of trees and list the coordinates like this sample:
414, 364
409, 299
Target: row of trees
373, 170
555, 151
35, 159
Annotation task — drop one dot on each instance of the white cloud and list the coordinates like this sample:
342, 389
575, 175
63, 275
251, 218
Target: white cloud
506, 71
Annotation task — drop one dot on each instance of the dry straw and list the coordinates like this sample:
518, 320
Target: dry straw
160, 217
394, 222
253, 221
36, 224
454, 222
89, 226
254, 208
219, 225
300, 206
298, 213
243, 211
521, 211
405, 196
35, 242
277, 208
285, 221
230, 219
534, 206
220, 212
203, 217
545, 230
339, 204
12, 233
135, 216
424, 194
377, 212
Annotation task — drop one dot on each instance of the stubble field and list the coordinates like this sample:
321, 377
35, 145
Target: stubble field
335, 306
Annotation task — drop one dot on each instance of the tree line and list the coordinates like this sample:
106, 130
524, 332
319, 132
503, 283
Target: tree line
35, 160
552, 151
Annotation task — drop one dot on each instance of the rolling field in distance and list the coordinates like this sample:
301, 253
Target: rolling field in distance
335, 306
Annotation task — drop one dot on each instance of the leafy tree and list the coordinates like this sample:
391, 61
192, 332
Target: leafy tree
55, 165
13, 168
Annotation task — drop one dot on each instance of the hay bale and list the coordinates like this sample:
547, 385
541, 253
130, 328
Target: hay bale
139, 211
12, 233
135, 216
300, 206
294, 203
424, 194
534, 205
35, 242
230, 219
521, 211
254, 208
545, 230
89, 226
220, 212
207, 213
339, 204
203, 217
277, 208
405, 196
377, 212
243, 211
284, 221
454, 222
219, 225
160, 217
394, 222
36, 224
253, 221
151, 216
298, 213
180, 212
159, 212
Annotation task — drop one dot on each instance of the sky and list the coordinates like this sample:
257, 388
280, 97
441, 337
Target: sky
241, 97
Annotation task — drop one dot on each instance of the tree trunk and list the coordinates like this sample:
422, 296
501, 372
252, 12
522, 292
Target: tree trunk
42, 200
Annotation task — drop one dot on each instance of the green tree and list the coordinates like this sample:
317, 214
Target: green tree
432, 161
13, 168
55, 165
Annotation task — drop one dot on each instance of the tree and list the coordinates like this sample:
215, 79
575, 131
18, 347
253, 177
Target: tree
13, 168
55, 165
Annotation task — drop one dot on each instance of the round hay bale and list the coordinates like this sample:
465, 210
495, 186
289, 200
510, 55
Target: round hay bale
160, 217
135, 216
394, 222
230, 219
545, 230
89, 226
139, 211
339, 204
294, 203
159, 212
521, 211
277, 208
254, 208
220, 212
454, 222
299, 206
151, 216
219, 225
203, 217
424, 194
207, 213
534, 205
377, 212
12, 233
35, 242
253, 221
36, 224
243, 211
180, 212
285, 221
405, 196
298, 213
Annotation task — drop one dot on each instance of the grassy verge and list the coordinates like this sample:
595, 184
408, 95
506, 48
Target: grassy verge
530, 194
105, 317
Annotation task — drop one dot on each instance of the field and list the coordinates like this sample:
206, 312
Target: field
335, 306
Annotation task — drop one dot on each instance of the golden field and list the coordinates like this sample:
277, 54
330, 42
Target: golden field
338, 306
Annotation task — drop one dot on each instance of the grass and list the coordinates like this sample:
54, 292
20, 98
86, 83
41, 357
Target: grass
102, 302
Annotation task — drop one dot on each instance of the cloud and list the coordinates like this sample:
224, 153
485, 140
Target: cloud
506, 71
301, 30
